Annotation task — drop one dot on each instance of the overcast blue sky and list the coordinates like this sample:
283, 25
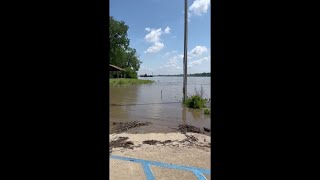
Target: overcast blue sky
156, 31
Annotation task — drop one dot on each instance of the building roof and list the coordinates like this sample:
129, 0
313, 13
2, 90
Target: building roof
114, 68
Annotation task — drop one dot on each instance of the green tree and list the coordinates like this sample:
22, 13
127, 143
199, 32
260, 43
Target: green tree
120, 53
132, 59
130, 73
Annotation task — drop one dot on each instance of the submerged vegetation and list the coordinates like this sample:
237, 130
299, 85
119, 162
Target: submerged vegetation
124, 81
197, 101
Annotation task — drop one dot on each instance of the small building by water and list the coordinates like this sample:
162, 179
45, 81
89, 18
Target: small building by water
115, 69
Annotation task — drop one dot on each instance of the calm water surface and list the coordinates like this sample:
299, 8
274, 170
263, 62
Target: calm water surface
145, 102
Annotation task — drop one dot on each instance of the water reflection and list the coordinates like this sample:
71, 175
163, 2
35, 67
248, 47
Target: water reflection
196, 113
184, 116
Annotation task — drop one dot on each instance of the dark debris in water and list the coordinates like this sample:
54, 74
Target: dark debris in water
188, 128
125, 126
206, 129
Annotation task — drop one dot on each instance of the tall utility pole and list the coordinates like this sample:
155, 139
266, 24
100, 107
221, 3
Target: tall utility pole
185, 49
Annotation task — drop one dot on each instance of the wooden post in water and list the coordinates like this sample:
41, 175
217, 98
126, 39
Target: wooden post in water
185, 49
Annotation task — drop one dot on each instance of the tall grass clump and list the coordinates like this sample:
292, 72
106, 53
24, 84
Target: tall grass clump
196, 101
200, 92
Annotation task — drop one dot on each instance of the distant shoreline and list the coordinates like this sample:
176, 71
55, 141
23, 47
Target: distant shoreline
172, 76
180, 75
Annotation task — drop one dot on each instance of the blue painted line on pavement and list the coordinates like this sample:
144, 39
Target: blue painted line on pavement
147, 171
146, 166
199, 175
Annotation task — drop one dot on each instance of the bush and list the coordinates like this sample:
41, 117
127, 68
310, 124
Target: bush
195, 101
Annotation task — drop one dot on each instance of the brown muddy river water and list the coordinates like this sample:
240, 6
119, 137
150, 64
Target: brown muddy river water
144, 103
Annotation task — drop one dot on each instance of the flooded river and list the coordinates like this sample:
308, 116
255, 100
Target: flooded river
159, 103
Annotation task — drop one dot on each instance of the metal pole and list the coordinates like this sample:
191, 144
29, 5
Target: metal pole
185, 49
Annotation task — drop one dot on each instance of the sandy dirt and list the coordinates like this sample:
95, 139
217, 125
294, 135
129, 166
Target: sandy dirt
188, 149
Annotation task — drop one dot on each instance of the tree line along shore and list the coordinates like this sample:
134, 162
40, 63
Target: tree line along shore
181, 75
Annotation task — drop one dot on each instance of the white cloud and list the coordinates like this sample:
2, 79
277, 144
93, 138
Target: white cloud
156, 47
199, 61
169, 53
198, 50
171, 63
167, 30
179, 56
199, 7
174, 61
154, 35
174, 65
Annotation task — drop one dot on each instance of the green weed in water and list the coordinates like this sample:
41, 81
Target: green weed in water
127, 81
195, 101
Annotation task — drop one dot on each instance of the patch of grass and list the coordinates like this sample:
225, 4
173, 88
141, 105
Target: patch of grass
195, 101
127, 81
